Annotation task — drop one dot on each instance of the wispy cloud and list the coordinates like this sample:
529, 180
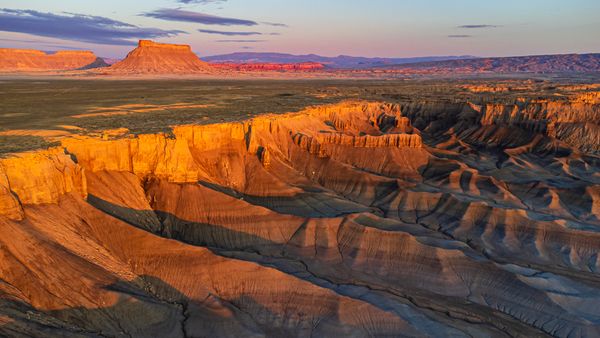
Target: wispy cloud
202, 2
209, 31
459, 36
477, 26
23, 40
40, 42
241, 41
196, 17
61, 47
78, 27
274, 24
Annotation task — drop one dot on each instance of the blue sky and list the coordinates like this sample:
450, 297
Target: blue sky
328, 27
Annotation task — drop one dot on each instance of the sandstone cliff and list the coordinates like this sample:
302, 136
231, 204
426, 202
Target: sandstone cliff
360, 218
38, 178
15, 60
160, 58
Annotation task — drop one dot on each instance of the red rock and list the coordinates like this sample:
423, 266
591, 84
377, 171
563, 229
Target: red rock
160, 58
338, 220
14, 60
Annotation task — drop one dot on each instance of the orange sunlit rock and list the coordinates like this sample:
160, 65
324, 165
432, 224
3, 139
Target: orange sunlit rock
160, 58
356, 218
15, 60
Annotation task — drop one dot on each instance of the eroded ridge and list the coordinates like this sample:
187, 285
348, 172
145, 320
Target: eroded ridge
29, 60
159, 58
361, 218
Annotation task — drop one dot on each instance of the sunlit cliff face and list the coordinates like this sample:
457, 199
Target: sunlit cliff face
356, 219
18, 60
156, 58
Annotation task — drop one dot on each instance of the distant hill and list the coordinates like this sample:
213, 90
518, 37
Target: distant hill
269, 67
515, 64
110, 61
338, 62
27, 60
160, 58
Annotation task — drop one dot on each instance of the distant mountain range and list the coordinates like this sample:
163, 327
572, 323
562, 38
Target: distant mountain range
337, 62
156, 58
516, 64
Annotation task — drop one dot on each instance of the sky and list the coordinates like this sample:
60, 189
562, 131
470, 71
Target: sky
383, 28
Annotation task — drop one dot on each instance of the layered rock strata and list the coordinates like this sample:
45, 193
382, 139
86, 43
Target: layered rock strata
160, 58
28, 60
362, 219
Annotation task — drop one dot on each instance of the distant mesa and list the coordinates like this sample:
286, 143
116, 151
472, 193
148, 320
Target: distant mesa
30, 60
161, 58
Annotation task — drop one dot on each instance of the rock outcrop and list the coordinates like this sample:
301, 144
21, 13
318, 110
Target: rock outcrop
38, 178
26, 60
417, 218
160, 58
